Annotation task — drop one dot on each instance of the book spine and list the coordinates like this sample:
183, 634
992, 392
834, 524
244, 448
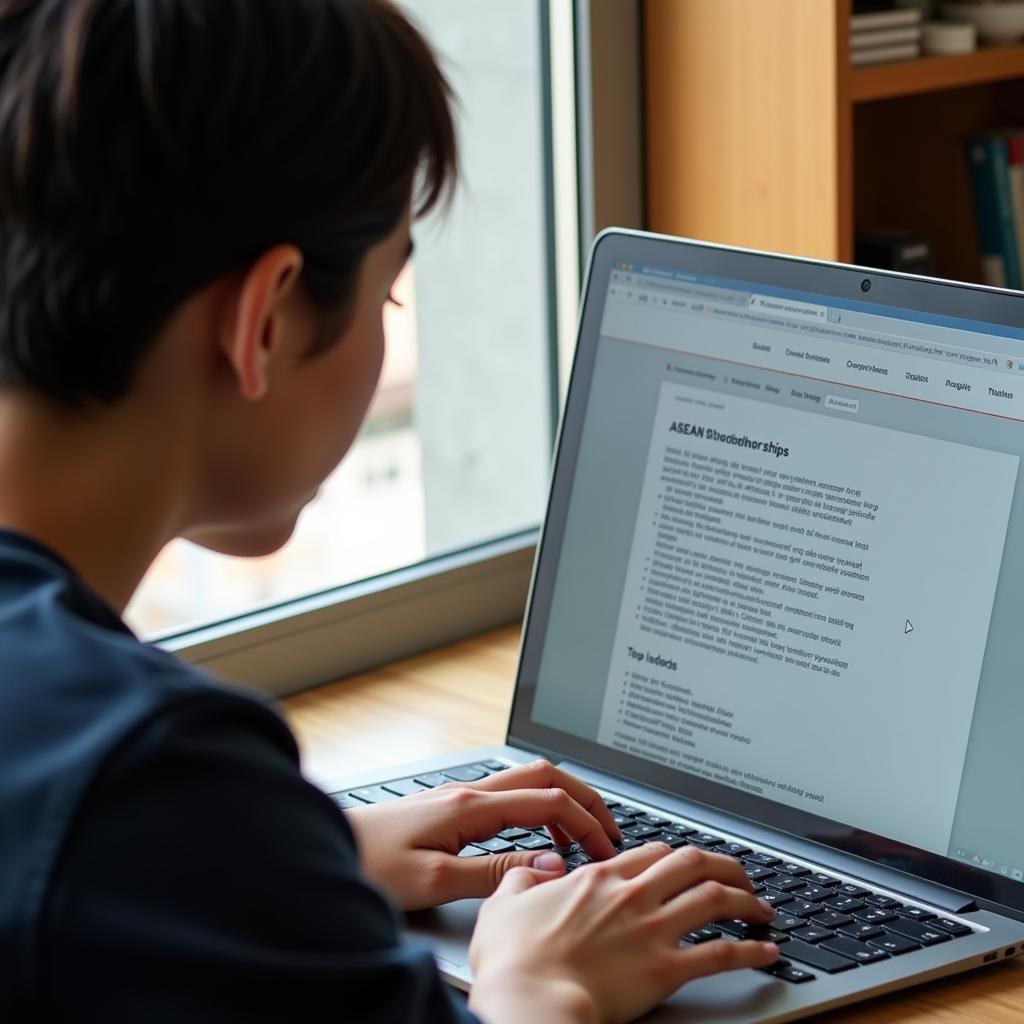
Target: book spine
1004, 208
1015, 155
986, 211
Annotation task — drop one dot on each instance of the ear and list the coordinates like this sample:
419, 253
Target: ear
255, 324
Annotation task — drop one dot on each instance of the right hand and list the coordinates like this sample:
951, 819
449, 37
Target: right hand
602, 944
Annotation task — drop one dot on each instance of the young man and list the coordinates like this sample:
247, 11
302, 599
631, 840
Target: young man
203, 206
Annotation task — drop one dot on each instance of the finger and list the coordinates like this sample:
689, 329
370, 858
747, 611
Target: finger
689, 865
559, 836
544, 775
518, 879
713, 901
721, 955
531, 808
481, 876
636, 861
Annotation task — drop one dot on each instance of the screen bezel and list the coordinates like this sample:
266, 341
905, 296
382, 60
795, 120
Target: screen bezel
830, 281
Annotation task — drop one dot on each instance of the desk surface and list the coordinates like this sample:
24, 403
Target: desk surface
459, 697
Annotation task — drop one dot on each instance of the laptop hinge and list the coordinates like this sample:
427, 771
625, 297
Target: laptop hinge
950, 900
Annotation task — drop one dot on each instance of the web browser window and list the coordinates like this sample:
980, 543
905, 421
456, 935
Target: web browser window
802, 584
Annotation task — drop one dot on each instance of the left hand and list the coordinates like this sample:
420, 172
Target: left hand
410, 846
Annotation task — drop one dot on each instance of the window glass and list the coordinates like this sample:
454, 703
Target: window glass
456, 448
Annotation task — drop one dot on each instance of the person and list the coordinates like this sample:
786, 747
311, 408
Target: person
203, 207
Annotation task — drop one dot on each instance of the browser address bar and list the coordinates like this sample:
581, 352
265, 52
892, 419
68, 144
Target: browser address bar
789, 307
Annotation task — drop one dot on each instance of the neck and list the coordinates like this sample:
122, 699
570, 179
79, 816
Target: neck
97, 487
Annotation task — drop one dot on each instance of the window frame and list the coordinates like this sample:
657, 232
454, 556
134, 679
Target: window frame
354, 627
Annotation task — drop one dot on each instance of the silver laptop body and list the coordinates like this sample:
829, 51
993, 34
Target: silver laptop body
775, 606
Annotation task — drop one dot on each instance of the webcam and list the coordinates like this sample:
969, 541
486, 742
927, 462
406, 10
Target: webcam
865, 285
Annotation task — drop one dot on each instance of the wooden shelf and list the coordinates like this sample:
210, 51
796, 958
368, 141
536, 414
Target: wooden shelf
760, 134
931, 74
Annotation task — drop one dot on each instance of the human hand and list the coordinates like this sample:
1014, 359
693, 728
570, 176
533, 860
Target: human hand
410, 846
601, 946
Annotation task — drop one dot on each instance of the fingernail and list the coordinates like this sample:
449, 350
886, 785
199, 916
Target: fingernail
770, 948
767, 908
547, 862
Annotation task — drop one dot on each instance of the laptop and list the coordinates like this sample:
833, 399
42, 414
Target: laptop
775, 611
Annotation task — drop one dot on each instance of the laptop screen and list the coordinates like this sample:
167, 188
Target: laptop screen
790, 559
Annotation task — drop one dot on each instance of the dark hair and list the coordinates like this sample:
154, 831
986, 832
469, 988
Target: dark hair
149, 146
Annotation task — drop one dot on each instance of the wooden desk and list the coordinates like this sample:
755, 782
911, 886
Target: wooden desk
459, 697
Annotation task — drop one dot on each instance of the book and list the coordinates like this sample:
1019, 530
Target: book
886, 37
872, 20
989, 169
884, 54
1015, 162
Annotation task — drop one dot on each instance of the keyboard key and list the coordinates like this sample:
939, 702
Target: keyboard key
629, 812
404, 787
467, 773
734, 849
610, 803
820, 878
670, 840
514, 833
576, 860
815, 956
628, 843
495, 845
622, 820
786, 923
849, 889
893, 943
472, 851
705, 839
813, 893
844, 904
811, 933
919, 931
346, 802
651, 819
785, 883
740, 929
764, 860
801, 908
534, 842
915, 913
774, 897
705, 934
860, 931
758, 874
854, 950
373, 794
432, 780
955, 928
872, 915
640, 831
796, 870
494, 766
875, 899
787, 972
832, 919
680, 830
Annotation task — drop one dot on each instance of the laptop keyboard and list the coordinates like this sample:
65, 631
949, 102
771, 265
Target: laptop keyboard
822, 922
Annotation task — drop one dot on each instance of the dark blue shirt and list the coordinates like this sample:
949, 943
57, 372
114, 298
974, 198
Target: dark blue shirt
161, 856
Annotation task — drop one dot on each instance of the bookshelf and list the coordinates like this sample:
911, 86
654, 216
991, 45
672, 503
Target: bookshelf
759, 133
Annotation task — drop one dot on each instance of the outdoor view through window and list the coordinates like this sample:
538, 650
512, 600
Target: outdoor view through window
456, 448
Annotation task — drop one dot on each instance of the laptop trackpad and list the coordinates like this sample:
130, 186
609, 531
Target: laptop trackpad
730, 996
